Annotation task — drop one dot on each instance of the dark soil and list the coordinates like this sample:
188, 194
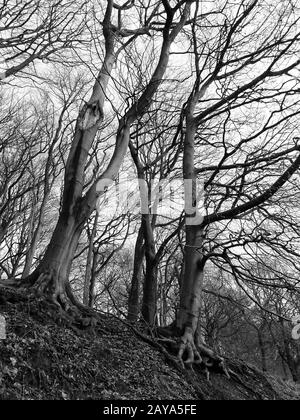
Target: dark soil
46, 356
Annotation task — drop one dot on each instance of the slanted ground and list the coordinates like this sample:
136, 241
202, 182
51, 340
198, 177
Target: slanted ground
46, 356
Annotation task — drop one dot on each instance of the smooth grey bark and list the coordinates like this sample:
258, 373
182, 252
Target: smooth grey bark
135, 289
90, 264
149, 307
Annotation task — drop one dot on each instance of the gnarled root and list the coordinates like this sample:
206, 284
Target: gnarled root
60, 294
212, 361
47, 284
50, 285
188, 346
190, 353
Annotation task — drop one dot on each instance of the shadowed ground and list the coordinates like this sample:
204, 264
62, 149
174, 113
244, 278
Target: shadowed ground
47, 356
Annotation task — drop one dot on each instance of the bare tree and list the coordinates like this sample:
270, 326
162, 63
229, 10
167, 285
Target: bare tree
224, 86
53, 272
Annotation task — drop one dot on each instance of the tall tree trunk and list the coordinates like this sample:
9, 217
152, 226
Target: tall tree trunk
55, 266
288, 354
163, 305
89, 263
191, 288
134, 294
262, 350
52, 273
192, 284
149, 307
92, 290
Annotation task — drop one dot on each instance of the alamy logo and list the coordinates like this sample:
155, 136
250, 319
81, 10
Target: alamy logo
2, 328
167, 198
296, 329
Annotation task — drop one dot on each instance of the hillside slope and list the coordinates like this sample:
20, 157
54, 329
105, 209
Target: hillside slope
47, 357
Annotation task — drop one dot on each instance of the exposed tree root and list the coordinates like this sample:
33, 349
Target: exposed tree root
48, 285
191, 354
188, 346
